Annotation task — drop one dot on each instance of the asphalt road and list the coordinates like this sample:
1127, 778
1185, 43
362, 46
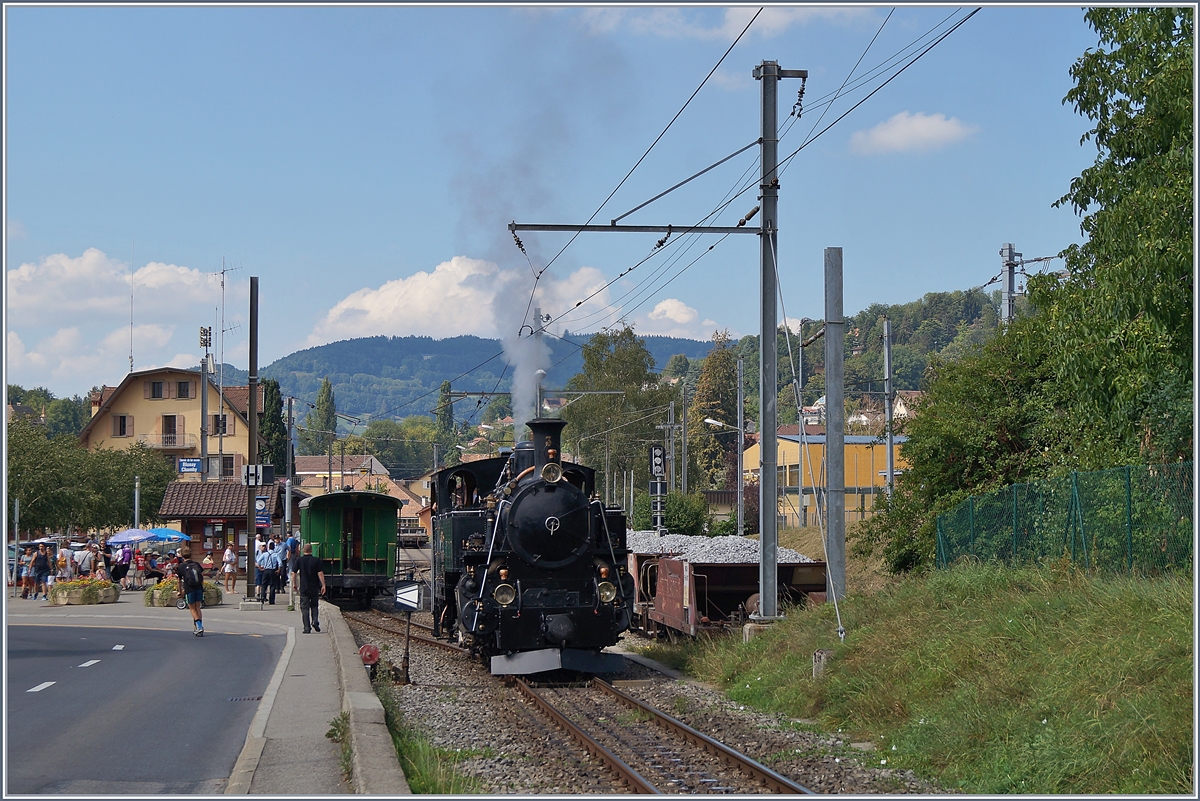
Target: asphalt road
152, 716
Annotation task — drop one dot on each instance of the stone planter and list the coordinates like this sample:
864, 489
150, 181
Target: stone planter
106, 595
167, 594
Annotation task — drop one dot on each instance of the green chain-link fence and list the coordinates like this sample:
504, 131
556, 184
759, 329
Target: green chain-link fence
1128, 519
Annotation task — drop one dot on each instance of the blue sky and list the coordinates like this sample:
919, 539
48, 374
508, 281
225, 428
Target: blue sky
364, 163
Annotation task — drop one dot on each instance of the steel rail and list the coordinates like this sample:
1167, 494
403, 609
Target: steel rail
773, 780
415, 637
634, 779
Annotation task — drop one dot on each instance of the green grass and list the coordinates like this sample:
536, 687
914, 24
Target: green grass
990, 679
339, 732
428, 769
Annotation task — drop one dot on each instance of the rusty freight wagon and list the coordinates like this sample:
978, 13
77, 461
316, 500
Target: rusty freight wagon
675, 595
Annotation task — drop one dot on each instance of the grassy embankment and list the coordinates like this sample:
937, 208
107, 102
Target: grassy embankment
988, 679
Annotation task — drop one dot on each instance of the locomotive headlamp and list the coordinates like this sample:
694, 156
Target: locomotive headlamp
604, 572
552, 472
504, 574
607, 591
505, 594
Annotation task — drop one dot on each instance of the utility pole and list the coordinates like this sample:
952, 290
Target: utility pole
1010, 259
206, 343
887, 403
683, 439
252, 415
769, 74
835, 426
137, 500
287, 487
741, 448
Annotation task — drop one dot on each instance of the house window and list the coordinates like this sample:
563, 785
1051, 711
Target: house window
226, 467
156, 389
122, 425
220, 424
183, 387
168, 431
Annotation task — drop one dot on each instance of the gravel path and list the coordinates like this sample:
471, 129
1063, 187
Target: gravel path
509, 749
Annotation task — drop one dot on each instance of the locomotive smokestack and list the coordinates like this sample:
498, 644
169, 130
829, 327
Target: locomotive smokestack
546, 435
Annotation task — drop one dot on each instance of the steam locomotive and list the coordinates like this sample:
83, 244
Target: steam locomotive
529, 567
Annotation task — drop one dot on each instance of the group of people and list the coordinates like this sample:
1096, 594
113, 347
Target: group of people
38, 567
274, 561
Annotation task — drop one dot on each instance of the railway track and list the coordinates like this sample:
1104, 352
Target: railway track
627, 737
646, 750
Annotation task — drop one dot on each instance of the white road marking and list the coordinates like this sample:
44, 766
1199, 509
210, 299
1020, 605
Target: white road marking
41, 687
89, 663
118, 647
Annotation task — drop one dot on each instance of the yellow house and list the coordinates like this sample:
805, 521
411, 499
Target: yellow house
801, 468
161, 409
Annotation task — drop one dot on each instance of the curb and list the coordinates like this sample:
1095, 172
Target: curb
376, 767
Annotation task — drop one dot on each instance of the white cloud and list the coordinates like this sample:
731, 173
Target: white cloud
681, 23
69, 318
907, 132
97, 286
460, 296
674, 310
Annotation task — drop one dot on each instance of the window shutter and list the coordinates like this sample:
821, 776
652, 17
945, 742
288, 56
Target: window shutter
179, 423
145, 389
193, 393
129, 425
230, 423
237, 467
116, 425
169, 389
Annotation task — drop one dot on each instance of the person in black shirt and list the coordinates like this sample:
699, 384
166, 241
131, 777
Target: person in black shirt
41, 573
311, 574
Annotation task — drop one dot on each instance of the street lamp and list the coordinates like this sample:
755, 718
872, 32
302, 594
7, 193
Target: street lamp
741, 501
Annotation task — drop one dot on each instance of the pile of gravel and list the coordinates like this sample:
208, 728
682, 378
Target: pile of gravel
707, 550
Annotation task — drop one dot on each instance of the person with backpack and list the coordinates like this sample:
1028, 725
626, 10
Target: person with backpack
191, 586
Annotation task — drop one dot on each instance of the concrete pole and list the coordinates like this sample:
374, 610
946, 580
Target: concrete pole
1009, 258
683, 441
287, 510
137, 500
671, 447
768, 368
205, 333
252, 420
741, 446
887, 404
835, 426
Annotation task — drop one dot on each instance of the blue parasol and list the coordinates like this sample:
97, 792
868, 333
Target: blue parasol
166, 535
131, 535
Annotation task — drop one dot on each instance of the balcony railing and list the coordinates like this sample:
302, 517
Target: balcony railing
168, 441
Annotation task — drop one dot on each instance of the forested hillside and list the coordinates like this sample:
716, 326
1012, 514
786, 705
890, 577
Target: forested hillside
400, 376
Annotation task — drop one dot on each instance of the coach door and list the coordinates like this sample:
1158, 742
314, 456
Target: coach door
352, 539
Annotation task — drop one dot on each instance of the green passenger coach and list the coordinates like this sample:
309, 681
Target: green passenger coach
354, 534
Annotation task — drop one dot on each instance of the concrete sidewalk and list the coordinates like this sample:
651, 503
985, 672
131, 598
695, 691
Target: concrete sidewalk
318, 676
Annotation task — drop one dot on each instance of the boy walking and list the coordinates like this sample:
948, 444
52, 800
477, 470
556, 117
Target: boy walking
191, 587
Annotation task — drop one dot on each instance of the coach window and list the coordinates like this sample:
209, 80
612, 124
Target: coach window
463, 489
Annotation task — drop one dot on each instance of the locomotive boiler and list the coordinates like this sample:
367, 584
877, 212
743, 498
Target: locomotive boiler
529, 568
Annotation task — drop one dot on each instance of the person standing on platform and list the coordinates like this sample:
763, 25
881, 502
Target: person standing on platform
191, 587
229, 566
310, 580
266, 573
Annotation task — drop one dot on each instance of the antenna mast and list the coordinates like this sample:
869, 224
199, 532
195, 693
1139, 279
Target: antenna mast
132, 272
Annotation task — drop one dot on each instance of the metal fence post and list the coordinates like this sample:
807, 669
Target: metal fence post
1128, 520
971, 522
1014, 518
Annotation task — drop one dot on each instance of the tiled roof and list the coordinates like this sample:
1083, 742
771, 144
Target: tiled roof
209, 499
320, 464
238, 397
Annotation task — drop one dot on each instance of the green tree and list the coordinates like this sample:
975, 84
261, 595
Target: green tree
677, 366
67, 416
107, 487
273, 428
320, 424
614, 431
42, 475
1121, 319
686, 514
716, 397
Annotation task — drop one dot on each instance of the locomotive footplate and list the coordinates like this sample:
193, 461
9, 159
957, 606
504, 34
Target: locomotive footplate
578, 659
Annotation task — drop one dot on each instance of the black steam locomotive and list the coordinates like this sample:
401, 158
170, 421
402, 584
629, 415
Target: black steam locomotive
529, 568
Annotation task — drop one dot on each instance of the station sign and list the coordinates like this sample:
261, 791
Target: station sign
188, 465
262, 517
408, 596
